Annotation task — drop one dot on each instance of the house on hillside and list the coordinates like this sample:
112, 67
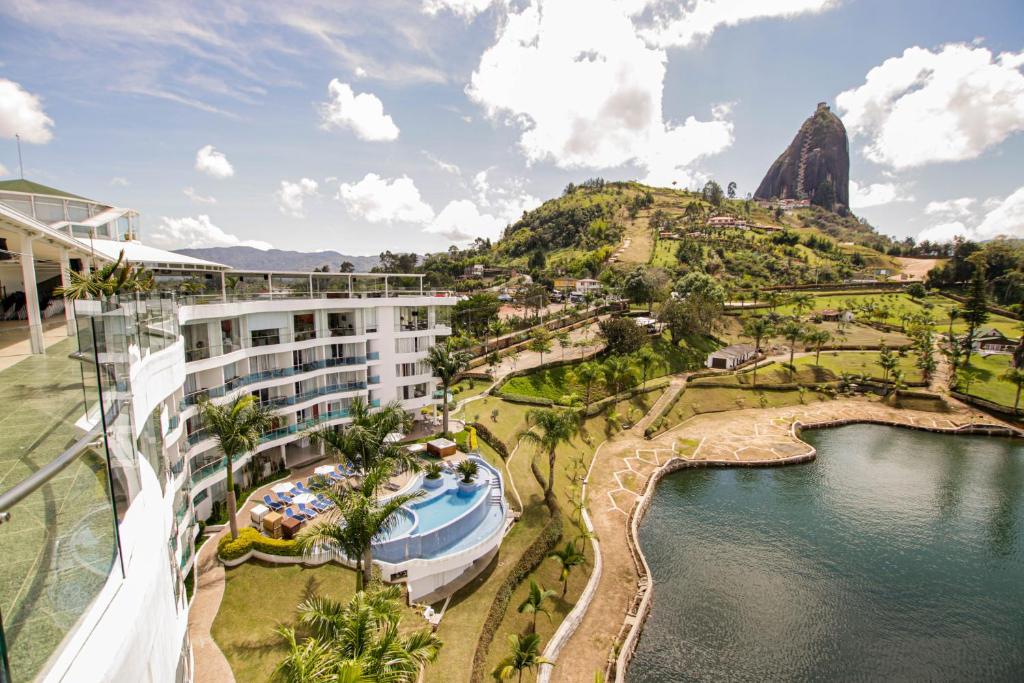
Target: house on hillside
991, 340
649, 325
730, 356
725, 222
587, 285
832, 315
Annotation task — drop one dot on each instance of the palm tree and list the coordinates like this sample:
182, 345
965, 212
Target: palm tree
359, 641
113, 278
966, 376
446, 364
549, 429
792, 331
524, 654
356, 520
953, 312
564, 341
757, 328
534, 602
817, 339
646, 358
568, 557
1015, 376
497, 327
363, 443
618, 371
237, 428
587, 374
802, 303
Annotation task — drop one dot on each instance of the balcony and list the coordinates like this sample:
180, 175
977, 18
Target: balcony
373, 379
207, 470
373, 355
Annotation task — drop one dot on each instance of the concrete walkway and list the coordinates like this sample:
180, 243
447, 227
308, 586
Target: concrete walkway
627, 463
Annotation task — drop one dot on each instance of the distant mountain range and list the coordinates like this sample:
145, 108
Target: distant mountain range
248, 258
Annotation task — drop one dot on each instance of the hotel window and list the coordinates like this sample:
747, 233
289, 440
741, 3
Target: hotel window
443, 316
229, 335
412, 318
264, 363
305, 326
52, 210
265, 337
370, 320
412, 391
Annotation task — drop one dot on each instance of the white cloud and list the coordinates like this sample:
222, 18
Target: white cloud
191, 193
948, 105
363, 113
442, 164
213, 163
3, 170
700, 19
292, 196
1003, 218
380, 200
189, 232
959, 208
119, 181
21, 113
461, 221
876, 194
466, 9
588, 98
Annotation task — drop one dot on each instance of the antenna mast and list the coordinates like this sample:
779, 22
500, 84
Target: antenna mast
21, 165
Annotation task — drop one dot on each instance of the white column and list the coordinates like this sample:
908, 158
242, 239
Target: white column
223, 287
28, 278
69, 308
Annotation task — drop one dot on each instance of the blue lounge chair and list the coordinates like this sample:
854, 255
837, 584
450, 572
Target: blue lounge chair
302, 489
319, 505
336, 477
272, 504
289, 513
285, 498
306, 511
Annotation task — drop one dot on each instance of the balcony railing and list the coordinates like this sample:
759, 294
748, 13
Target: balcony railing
373, 355
373, 379
256, 377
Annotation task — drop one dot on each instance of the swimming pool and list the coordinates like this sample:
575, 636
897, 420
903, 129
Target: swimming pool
445, 520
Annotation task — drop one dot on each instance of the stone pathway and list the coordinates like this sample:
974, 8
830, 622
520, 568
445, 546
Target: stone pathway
744, 437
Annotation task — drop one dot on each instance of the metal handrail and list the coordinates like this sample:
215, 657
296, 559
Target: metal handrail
28, 485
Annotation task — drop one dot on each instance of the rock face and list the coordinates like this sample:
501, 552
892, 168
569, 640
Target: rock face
815, 166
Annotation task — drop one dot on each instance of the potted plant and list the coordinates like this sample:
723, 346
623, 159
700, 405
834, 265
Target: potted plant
432, 480
468, 469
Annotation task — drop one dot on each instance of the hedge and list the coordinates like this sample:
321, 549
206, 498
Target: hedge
490, 439
528, 400
249, 539
531, 558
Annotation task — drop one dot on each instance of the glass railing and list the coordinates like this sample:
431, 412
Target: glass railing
172, 422
207, 470
254, 378
373, 355
373, 379
59, 545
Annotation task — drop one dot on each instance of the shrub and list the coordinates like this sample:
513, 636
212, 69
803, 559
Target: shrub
468, 469
250, 539
528, 400
493, 441
433, 470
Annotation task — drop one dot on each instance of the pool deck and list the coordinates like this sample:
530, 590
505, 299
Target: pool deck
627, 467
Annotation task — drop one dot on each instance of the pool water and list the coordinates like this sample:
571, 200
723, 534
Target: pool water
895, 555
439, 510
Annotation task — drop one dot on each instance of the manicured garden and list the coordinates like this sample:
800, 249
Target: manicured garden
989, 383
828, 368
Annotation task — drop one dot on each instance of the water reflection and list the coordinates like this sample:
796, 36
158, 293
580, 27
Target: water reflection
896, 555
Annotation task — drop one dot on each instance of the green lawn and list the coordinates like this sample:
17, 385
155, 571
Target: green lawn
990, 385
665, 254
829, 369
704, 399
258, 597
554, 383
469, 388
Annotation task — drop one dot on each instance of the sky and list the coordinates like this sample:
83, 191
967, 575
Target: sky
415, 125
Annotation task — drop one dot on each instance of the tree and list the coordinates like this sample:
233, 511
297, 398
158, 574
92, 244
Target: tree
540, 342
524, 655
966, 377
618, 373
712, 193
356, 642
916, 291
622, 335
237, 428
346, 267
113, 278
817, 339
646, 359
676, 317
792, 330
757, 328
446, 364
363, 443
975, 311
534, 602
802, 303
887, 360
356, 520
568, 557
1015, 376
704, 298
564, 341
547, 430
639, 286
475, 312
730, 189
497, 327
587, 374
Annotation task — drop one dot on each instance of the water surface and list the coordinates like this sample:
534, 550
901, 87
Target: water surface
896, 555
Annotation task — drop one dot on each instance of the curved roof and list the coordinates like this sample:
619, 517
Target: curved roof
151, 257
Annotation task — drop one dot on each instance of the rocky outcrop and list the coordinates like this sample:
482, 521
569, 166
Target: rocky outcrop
815, 166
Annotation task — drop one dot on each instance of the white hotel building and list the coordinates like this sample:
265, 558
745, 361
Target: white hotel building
305, 344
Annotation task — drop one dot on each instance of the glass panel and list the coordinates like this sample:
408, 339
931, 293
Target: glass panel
51, 210
77, 211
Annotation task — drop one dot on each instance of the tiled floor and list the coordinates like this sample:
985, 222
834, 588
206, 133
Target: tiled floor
58, 546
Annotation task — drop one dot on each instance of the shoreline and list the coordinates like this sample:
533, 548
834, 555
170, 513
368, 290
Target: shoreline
640, 606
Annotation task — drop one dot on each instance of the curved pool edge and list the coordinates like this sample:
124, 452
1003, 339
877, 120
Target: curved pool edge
640, 606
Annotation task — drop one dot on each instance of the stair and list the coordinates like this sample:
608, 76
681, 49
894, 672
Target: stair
495, 493
801, 172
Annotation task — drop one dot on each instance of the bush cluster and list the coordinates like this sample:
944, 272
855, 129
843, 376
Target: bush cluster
490, 439
250, 539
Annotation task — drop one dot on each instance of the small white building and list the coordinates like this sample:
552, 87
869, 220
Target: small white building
587, 285
731, 356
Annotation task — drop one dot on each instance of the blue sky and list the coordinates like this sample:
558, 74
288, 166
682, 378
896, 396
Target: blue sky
415, 125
